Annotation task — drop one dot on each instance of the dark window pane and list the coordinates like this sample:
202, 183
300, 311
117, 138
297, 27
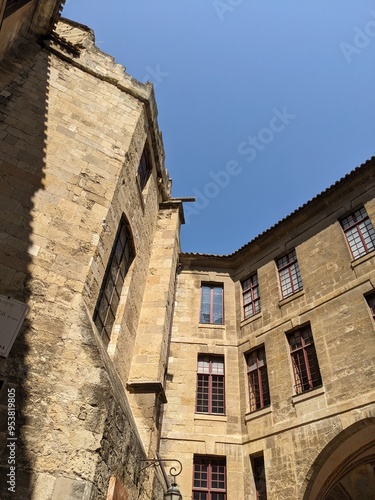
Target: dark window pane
258, 379
144, 170
259, 477
304, 360
110, 292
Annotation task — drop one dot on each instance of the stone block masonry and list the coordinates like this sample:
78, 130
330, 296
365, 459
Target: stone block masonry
73, 130
317, 442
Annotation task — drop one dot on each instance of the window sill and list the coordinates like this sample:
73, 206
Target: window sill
257, 413
211, 325
312, 393
246, 321
210, 416
296, 295
364, 258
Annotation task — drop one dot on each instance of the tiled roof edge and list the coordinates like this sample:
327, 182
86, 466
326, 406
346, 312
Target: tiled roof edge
346, 177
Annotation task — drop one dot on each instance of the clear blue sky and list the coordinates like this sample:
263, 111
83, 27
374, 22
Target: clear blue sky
279, 95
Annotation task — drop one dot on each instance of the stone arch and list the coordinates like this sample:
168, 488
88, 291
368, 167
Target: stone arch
345, 468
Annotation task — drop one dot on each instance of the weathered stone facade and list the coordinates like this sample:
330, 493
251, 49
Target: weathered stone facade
74, 127
81, 157
316, 444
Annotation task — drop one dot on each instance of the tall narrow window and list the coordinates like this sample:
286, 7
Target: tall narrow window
304, 360
210, 385
250, 296
118, 265
258, 379
359, 232
259, 474
370, 299
212, 310
144, 169
289, 273
209, 478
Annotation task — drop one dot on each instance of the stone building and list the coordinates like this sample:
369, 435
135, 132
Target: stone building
271, 387
255, 369
90, 241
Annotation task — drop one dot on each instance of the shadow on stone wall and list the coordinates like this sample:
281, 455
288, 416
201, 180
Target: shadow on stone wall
23, 102
74, 425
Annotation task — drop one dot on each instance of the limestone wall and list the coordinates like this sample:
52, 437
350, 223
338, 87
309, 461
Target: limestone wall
73, 128
295, 429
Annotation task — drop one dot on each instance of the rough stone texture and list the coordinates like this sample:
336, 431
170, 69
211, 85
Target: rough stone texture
73, 128
298, 434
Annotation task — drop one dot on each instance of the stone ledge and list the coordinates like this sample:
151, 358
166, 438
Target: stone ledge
312, 393
147, 386
210, 416
257, 414
359, 261
211, 326
296, 295
246, 321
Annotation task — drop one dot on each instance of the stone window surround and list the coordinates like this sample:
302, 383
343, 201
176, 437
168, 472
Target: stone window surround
289, 274
304, 359
250, 296
209, 472
357, 226
214, 382
121, 256
257, 376
213, 287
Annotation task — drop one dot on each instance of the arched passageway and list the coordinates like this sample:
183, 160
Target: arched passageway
345, 468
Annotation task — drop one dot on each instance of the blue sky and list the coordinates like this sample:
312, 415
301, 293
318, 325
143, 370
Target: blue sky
262, 103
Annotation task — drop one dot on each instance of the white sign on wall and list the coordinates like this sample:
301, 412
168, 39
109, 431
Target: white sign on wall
12, 314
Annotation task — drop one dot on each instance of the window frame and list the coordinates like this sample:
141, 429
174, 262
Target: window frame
212, 382
11, 6
207, 474
257, 464
257, 380
293, 270
250, 296
212, 287
304, 359
119, 262
358, 231
144, 168
370, 301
